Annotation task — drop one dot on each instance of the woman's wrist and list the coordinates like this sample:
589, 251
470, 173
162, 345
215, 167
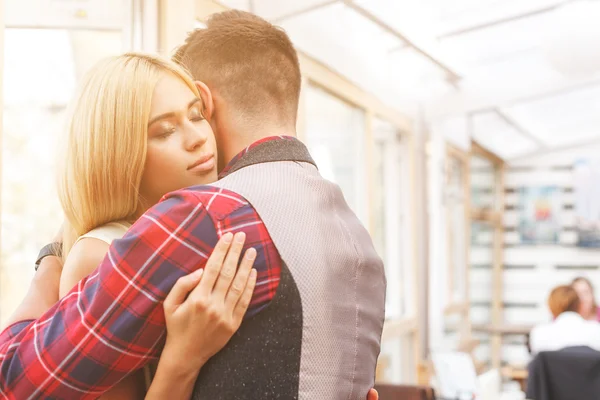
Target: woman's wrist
177, 360
174, 378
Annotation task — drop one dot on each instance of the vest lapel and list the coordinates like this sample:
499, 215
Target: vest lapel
273, 151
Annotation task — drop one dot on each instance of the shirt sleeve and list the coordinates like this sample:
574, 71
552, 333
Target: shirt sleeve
112, 323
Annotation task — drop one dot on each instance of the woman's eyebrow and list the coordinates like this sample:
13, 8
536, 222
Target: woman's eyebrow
172, 114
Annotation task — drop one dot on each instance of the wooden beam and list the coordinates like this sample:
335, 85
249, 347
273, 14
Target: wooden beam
498, 268
463, 308
394, 329
503, 329
175, 21
479, 150
369, 171
420, 227
495, 218
467, 241
419, 269
456, 308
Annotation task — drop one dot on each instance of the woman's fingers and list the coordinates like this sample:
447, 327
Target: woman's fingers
241, 279
229, 268
244, 302
181, 289
213, 265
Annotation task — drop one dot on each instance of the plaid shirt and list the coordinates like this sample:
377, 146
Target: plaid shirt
112, 323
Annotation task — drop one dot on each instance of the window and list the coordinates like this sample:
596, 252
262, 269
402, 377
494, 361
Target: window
335, 136
456, 211
393, 241
390, 217
487, 239
41, 70
456, 319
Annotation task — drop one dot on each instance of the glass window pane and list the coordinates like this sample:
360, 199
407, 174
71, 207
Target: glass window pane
389, 224
379, 210
396, 362
41, 70
335, 135
483, 184
481, 254
481, 275
455, 202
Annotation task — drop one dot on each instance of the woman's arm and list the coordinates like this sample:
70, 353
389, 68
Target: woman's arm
203, 310
42, 293
82, 260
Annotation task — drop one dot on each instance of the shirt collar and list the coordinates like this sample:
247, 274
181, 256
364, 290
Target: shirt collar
569, 315
238, 156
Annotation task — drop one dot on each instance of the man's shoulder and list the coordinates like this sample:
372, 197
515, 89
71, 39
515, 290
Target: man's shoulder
218, 202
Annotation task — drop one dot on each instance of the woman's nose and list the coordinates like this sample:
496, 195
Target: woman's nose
194, 136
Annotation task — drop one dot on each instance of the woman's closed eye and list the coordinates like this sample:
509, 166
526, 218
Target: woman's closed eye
166, 130
195, 114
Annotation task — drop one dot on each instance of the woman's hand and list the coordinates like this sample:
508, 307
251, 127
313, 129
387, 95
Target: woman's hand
203, 311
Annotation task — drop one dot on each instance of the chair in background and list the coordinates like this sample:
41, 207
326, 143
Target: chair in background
567, 374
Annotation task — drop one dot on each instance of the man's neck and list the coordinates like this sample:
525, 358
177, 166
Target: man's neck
234, 147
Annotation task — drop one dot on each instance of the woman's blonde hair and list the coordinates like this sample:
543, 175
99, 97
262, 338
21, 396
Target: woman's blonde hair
102, 164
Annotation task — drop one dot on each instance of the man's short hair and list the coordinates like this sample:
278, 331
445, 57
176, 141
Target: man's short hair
563, 299
251, 63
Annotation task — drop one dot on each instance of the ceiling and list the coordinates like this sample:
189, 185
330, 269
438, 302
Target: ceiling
480, 60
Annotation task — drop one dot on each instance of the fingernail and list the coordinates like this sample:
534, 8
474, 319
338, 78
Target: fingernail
228, 237
253, 273
251, 253
198, 273
240, 237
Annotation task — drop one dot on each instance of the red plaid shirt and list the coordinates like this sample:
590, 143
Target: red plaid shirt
112, 323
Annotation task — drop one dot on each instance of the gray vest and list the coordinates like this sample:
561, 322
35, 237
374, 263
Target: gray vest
320, 336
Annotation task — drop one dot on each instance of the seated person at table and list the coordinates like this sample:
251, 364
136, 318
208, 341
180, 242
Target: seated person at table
588, 307
568, 328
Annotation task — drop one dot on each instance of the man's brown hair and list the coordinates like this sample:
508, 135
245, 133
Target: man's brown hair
251, 63
562, 299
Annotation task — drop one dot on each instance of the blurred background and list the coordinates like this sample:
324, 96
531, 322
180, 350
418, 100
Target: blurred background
465, 134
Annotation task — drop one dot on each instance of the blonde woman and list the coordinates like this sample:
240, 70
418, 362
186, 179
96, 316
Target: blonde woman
137, 132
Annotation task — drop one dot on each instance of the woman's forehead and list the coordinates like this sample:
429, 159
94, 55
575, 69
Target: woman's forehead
171, 94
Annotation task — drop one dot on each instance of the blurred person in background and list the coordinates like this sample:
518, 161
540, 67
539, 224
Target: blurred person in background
568, 329
588, 307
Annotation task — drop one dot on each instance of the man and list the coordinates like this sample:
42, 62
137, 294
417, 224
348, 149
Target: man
569, 328
315, 328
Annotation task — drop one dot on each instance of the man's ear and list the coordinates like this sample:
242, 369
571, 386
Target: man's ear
207, 100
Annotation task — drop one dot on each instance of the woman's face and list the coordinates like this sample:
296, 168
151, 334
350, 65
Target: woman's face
586, 298
181, 145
